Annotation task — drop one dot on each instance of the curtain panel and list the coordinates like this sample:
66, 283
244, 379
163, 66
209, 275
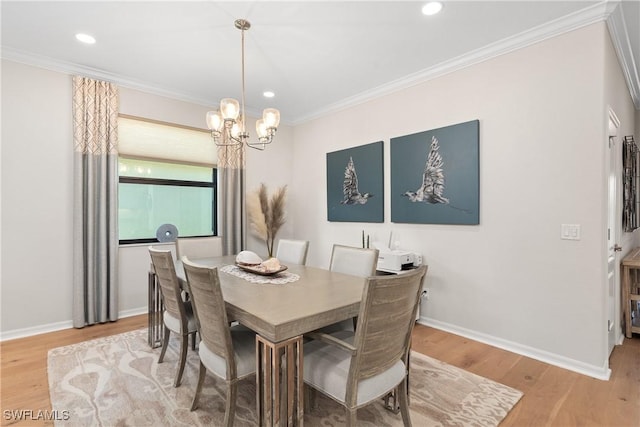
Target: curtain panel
231, 191
95, 234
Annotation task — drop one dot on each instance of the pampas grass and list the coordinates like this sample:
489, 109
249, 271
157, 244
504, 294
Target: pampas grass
266, 216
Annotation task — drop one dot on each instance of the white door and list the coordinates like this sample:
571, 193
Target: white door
612, 235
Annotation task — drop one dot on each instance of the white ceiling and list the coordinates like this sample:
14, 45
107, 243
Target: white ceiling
317, 56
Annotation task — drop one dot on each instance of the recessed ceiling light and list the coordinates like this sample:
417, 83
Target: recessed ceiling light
268, 94
85, 38
432, 8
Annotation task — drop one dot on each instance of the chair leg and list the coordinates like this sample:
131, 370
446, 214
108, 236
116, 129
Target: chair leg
165, 344
352, 417
193, 341
312, 398
230, 407
184, 346
201, 375
404, 402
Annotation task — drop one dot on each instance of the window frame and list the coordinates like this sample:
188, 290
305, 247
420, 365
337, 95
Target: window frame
177, 183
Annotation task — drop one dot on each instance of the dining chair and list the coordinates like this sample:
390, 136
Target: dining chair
356, 261
353, 260
292, 251
198, 247
178, 314
227, 352
358, 368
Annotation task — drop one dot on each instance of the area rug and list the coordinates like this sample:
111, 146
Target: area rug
116, 381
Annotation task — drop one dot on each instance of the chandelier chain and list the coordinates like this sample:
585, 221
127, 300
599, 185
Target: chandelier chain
243, 85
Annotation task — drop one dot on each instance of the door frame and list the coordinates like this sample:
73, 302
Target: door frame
614, 227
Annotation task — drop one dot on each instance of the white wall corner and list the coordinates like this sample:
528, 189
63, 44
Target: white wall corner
622, 45
598, 372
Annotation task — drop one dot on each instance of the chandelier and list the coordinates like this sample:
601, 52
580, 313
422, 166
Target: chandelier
227, 125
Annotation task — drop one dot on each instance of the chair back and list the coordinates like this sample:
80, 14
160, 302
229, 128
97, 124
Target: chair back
385, 322
292, 251
352, 260
209, 308
198, 247
169, 286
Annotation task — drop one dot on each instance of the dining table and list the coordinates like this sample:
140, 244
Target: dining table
281, 309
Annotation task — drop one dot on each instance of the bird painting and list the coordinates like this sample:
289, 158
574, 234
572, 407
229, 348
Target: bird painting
432, 188
435, 176
352, 195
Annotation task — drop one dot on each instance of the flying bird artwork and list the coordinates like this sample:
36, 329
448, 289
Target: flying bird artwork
352, 195
432, 188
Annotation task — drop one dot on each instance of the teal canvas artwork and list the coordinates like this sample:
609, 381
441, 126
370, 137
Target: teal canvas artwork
435, 176
355, 184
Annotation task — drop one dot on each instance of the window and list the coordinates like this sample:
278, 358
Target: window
156, 189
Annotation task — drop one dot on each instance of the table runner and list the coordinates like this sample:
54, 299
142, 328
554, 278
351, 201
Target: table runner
276, 279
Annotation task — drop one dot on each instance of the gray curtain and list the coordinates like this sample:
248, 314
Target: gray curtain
231, 193
95, 234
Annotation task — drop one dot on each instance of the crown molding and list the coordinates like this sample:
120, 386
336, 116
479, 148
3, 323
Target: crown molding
609, 11
52, 64
622, 45
75, 69
595, 13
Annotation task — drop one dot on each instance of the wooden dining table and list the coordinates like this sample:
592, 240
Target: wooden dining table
280, 314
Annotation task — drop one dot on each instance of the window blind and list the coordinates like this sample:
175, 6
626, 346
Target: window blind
146, 139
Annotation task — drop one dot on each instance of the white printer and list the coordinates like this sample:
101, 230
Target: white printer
395, 260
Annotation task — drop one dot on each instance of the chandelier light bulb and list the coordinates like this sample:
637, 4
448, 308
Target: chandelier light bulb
214, 121
271, 118
229, 108
261, 129
235, 130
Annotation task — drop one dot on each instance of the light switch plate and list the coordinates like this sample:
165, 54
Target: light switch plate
570, 232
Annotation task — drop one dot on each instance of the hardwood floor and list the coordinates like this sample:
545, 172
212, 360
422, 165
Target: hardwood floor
552, 396
24, 383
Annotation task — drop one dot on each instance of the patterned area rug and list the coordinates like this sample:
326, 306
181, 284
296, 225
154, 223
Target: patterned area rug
116, 381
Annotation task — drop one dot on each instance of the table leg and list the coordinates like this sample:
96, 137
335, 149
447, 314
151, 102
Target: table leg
279, 382
626, 304
155, 308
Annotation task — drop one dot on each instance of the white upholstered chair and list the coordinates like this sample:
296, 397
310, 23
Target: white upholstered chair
357, 262
198, 247
178, 314
227, 352
358, 368
292, 251
352, 260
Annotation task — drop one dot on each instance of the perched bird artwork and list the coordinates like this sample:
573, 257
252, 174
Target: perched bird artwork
432, 188
352, 195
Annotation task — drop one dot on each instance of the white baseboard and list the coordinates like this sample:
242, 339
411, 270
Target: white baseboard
599, 372
36, 330
133, 312
58, 326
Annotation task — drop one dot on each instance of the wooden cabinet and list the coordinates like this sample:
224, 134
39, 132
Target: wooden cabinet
631, 293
